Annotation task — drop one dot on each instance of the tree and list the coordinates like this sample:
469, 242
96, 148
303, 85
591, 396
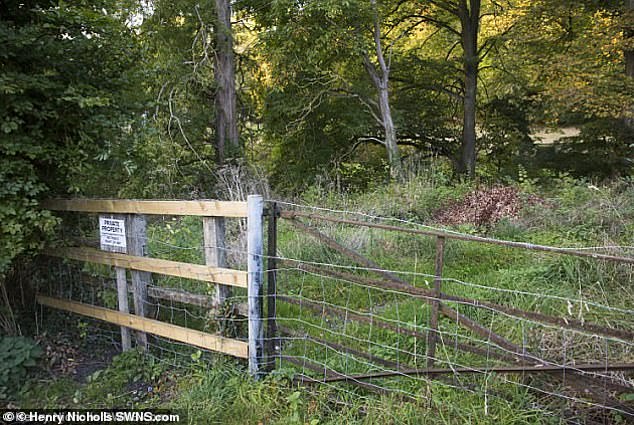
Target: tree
179, 43
461, 41
629, 52
380, 77
469, 30
191, 54
565, 61
67, 108
224, 71
334, 43
480, 65
462, 19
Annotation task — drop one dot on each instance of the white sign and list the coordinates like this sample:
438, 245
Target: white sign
112, 234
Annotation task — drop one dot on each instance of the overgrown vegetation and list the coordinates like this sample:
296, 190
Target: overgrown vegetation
371, 106
17, 355
220, 391
213, 389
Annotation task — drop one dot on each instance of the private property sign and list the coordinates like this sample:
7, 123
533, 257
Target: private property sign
112, 234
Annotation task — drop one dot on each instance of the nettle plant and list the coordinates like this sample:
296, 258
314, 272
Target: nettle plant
17, 355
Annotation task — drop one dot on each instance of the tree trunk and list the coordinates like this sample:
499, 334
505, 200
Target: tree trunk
227, 139
469, 20
468, 146
629, 57
393, 154
381, 82
629, 33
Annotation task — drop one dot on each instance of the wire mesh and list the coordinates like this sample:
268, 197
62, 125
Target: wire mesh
348, 329
363, 329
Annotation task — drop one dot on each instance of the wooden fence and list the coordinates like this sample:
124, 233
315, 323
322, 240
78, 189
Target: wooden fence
261, 357
135, 259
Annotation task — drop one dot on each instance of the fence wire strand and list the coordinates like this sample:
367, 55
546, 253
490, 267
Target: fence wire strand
330, 326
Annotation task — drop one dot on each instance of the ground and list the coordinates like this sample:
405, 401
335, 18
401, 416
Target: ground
79, 368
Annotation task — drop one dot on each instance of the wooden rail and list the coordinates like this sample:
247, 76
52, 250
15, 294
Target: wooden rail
166, 330
167, 294
198, 300
154, 265
114, 206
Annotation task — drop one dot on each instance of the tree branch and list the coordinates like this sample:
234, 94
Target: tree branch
385, 71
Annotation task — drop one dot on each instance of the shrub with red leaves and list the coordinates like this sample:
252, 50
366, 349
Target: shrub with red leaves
485, 207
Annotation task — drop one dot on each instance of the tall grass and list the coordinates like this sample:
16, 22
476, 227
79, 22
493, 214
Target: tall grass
572, 213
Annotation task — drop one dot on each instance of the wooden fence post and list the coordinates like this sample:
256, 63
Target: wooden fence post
271, 288
122, 297
432, 336
122, 289
137, 245
215, 255
255, 279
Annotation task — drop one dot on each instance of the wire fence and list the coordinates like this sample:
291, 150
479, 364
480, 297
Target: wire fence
353, 307
361, 309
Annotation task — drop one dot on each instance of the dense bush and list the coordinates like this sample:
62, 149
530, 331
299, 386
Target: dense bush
65, 109
604, 148
17, 355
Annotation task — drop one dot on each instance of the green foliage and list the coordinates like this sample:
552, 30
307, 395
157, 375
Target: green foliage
82, 329
417, 198
604, 148
17, 355
110, 387
24, 227
317, 97
215, 389
128, 382
308, 102
135, 366
505, 143
66, 109
75, 118
227, 396
176, 156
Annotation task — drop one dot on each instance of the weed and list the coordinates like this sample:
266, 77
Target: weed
214, 389
17, 355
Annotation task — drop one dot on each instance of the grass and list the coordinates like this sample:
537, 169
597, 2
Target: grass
219, 391
214, 389
572, 214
